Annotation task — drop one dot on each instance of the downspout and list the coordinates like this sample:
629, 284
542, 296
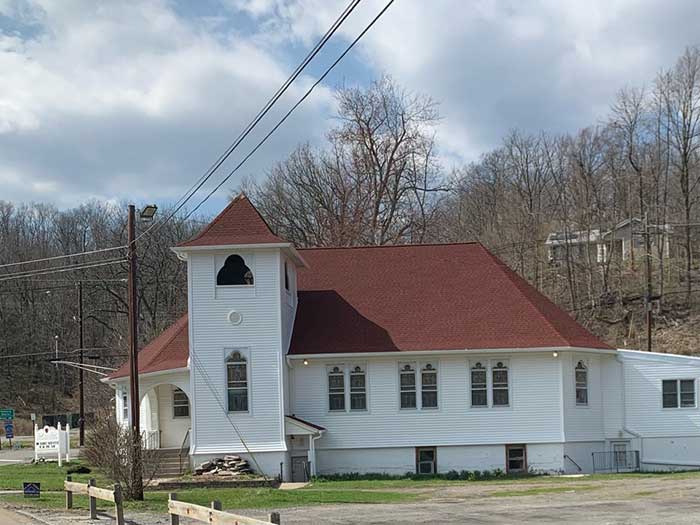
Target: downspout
312, 452
625, 428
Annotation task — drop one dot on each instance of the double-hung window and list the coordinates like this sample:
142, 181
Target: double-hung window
407, 385
678, 393
358, 389
479, 389
125, 406
429, 386
418, 385
237, 382
181, 405
581, 378
336, 388
499, 385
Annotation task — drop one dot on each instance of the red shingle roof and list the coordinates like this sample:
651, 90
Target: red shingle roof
169, 350
423, 297
239, 223
403, 298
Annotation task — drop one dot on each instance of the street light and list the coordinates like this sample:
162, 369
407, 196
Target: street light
148, 212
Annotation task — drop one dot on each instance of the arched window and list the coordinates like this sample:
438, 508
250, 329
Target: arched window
499, 384
407, 380
336, 388
478, 376
237, 382
358, 389
429, 386
234, 272
181, 404
581, 373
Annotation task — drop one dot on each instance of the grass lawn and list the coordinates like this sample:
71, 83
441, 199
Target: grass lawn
230, 498
50, 475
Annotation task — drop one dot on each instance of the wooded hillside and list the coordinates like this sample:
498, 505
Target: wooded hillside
379, 180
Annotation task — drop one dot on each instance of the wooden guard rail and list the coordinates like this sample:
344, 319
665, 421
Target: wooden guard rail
213, 515
94, 493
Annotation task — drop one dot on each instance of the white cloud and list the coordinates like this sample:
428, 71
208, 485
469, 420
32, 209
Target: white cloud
116, 99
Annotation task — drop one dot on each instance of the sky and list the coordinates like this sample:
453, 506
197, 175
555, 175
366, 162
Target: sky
134, 100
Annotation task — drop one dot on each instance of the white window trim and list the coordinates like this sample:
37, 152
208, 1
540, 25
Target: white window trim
346, 368
418, 369
489, 364
587, 364
125, 406
678, 393
189, 408
245, 352
492, 366
470, 366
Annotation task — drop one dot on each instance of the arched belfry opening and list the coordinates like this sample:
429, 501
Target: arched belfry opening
234, 272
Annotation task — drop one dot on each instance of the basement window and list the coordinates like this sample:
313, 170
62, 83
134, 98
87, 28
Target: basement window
234, 272
426, 460
678, 393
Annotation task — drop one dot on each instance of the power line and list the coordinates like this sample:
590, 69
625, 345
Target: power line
293, 108
249, 128
54, 258
60, 269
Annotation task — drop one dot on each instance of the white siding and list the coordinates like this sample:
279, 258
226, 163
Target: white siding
644, 413
533, 416
172, 429
211, 334
613, 397
476, 457
583, 423
545, 457
581, 454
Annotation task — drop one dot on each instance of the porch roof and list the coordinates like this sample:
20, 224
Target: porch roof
295, 425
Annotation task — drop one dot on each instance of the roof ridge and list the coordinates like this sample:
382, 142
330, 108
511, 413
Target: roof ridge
515, 278
365, 246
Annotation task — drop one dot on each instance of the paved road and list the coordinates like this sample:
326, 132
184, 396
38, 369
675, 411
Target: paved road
7, 517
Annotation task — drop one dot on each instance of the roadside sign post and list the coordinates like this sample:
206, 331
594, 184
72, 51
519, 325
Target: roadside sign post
9, 431
32, 490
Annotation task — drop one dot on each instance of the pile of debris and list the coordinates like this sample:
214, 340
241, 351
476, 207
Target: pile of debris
228, 466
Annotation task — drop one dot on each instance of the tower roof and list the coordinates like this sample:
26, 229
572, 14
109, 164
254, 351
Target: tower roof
239, 223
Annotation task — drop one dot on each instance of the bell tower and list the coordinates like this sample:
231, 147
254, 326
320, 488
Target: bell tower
242, 302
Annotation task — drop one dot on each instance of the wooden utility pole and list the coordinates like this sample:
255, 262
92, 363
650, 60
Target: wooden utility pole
137, 470
648, 294
81, 420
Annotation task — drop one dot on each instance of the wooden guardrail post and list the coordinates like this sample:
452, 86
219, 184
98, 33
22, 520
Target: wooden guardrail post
174, 518
118, 504
69, 494
274, 518
216, 505
92, 499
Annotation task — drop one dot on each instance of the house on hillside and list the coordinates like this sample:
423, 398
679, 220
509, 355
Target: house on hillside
625, 241
395, 359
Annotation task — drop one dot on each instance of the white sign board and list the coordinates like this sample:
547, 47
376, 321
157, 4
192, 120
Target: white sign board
49, 441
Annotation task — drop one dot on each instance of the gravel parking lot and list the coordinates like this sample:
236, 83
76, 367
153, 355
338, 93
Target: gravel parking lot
630, 500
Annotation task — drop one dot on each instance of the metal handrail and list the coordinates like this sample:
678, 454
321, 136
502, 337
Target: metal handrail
566, 456
182, 448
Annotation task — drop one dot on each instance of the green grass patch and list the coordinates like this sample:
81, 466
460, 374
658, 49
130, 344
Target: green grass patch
230, 499
50, 475
537, 491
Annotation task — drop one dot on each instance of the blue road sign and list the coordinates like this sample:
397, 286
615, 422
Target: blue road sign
9, 430
32, 490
